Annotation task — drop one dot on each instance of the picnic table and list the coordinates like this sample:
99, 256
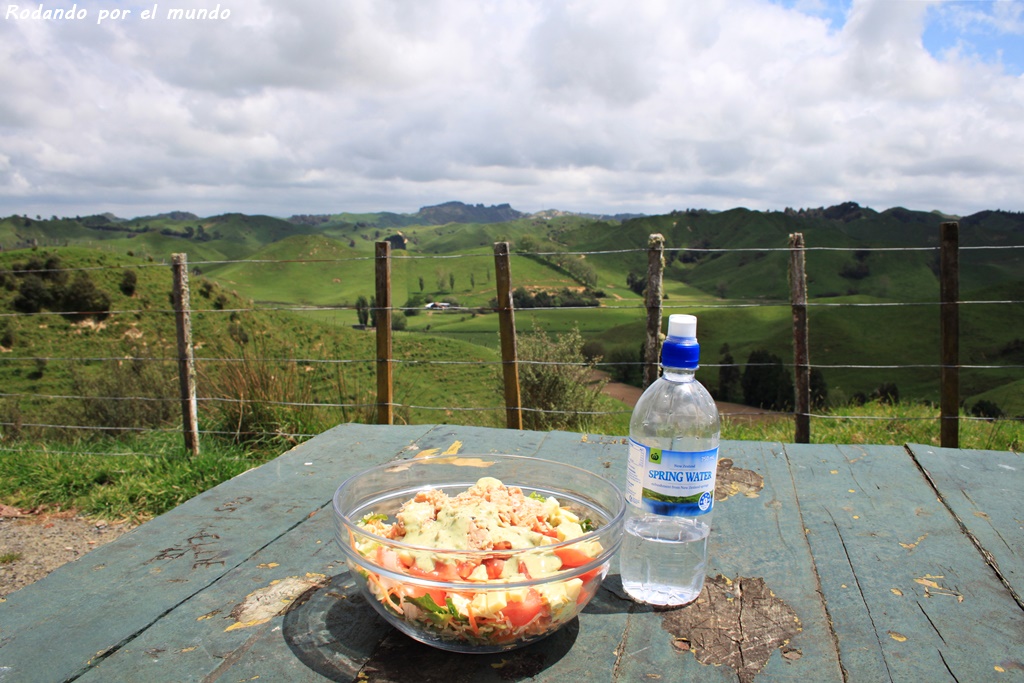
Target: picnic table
828, 563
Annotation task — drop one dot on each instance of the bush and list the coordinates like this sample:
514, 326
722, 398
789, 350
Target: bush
987, 409
8, 335
557, 388
887, 393
362, 310
129, 280
260, 399
593, 351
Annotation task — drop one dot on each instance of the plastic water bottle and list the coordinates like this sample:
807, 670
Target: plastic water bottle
670, 478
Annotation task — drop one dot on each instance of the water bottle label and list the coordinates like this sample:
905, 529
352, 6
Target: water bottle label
673, 483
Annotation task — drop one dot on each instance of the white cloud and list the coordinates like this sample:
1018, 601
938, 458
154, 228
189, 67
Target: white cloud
303, 106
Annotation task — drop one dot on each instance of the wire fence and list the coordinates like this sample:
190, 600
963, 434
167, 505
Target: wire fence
367, 404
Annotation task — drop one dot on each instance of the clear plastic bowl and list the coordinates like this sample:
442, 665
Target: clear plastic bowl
449, 605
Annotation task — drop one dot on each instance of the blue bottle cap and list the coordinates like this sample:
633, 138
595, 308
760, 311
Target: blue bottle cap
680, 349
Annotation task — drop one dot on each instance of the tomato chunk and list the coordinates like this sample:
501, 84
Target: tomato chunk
495, 566
521, 613
441, 572
572, 557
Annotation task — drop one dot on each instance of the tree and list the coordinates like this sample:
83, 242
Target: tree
818, 388
84, 298
361, 310
730, 386
625, 364
637, 283
451, 281
33, 296
766, 383
526, 244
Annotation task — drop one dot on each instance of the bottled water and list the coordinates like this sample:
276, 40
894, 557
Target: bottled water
670, 478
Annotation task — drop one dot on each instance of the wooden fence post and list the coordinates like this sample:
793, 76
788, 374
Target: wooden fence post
186, 357
654, 294
507, 328
801, 361
385, 368
949, 293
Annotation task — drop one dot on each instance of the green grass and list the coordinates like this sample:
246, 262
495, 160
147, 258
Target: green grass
879, 423
9, 558
139, 477
135, 478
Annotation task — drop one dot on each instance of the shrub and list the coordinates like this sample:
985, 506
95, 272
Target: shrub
259, 398
593, 351
8, 335
362, 310
987, 409
887, 393
129, 280
557, 387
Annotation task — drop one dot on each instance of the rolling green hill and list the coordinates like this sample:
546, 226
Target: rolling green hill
717, 262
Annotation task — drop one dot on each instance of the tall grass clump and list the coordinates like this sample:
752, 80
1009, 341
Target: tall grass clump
258, 396
255, 397
131, 394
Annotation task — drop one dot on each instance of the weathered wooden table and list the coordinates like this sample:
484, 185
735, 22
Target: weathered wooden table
829, 563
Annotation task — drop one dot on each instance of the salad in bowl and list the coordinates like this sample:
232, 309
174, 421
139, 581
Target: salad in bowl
480, 564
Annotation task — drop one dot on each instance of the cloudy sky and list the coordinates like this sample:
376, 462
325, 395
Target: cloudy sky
306, 106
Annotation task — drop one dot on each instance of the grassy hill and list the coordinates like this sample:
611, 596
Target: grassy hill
128, 348
716, 262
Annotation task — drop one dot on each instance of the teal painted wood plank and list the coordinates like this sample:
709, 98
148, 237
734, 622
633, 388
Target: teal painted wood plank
93, 606
335, 634
983, 489
763, 536
201, 638
909, 597
755, 535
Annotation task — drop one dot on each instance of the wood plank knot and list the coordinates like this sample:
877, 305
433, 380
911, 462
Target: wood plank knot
736, 624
